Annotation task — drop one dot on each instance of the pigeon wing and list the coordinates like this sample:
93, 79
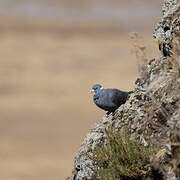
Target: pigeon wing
117, 97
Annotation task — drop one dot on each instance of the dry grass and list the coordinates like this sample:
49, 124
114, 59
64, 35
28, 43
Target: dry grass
176, 47
139, 49
121, 158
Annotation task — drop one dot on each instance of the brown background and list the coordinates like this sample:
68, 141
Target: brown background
51, 53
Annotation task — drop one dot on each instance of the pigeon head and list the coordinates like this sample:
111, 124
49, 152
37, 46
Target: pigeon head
96, 88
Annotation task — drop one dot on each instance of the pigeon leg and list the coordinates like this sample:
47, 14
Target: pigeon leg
109, 113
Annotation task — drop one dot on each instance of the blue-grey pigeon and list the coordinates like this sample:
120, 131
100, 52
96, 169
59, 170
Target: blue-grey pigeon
108, 99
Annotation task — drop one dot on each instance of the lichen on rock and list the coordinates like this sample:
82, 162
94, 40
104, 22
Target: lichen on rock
152, 111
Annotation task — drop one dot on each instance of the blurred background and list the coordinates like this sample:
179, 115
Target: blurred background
51, 53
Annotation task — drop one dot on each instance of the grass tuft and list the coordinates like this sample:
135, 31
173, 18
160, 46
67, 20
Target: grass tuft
139, 50
121, 158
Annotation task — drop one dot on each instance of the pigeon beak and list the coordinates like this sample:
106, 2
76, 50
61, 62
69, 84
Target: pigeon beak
92, 91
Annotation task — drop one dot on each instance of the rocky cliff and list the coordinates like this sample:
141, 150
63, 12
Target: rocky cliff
152, 112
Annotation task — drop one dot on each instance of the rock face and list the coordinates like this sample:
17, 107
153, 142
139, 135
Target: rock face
152, 111
169, 27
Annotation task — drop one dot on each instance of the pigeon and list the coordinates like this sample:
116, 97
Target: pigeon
108, 99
